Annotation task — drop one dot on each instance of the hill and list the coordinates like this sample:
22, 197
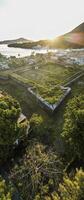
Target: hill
73, 39
19, 40
31, 44
79, 28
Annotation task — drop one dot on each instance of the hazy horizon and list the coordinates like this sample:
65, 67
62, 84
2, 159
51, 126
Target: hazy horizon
39, 19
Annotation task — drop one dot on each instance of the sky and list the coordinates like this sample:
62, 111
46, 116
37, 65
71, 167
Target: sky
39, 19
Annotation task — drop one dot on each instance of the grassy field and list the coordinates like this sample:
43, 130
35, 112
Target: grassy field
45, 80
49, 75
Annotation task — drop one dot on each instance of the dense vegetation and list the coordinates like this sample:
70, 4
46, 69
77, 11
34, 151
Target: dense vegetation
40, 169
73, 129
48, 163
71, 188
6, 190
10, 129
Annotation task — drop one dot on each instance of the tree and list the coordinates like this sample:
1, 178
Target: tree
72, 188
42, 129
9, 114
36, 124
10, 129
73, 129
38, 173
5, 191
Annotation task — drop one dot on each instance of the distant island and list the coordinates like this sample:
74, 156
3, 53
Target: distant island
19, 40
73, 39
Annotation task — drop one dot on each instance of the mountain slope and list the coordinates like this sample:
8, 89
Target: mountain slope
73, 39
79, 28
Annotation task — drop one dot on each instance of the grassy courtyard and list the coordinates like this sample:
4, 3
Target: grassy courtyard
46, 79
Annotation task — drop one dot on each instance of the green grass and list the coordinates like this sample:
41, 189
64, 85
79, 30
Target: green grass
78, 87
49, 74
46, 79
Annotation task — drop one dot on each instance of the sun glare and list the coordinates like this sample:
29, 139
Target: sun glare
76, 38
